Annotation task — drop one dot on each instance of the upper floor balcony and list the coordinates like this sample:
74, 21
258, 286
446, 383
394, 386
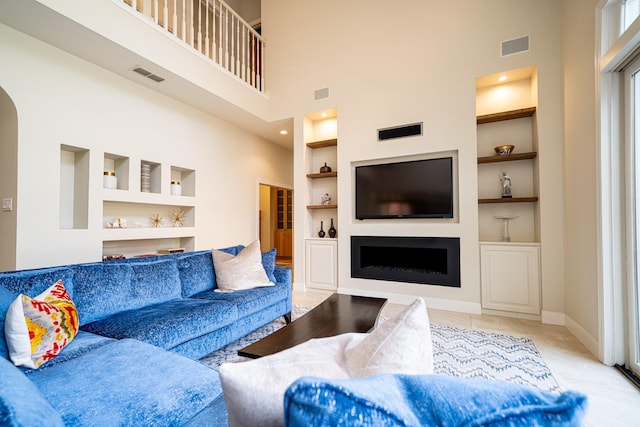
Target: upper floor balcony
199, 52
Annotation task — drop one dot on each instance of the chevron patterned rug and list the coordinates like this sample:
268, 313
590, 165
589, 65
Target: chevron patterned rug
466, 353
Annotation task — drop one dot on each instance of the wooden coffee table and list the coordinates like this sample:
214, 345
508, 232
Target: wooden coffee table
337, 315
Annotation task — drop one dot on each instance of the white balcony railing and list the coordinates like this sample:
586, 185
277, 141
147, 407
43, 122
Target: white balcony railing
213, 29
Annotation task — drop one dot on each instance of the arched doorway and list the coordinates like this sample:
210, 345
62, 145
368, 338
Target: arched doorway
8, 181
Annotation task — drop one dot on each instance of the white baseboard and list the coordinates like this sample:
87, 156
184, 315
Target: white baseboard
583, 336
435, 303
553, 318
299, 287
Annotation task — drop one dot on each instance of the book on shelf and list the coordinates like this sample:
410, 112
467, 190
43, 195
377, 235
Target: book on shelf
171, 251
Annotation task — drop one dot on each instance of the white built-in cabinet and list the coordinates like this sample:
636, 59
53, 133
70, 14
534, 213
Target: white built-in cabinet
510, 277
510, 271
322, 263
321, 168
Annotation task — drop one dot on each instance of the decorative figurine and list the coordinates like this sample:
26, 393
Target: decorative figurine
325, 168
506, 185
177, 218
117, 223
326, 199
156, 220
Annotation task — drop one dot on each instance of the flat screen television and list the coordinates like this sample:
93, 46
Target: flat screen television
413, 189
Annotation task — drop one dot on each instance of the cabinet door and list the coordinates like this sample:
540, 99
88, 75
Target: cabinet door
321, 264
510, 278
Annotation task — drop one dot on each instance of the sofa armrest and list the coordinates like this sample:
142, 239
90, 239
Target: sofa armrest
282, 275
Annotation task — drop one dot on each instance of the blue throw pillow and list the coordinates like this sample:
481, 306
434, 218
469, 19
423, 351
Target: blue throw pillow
196, 272
427, 400
269, 263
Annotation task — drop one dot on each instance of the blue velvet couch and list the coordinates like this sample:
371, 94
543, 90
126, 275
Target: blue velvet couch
143, 324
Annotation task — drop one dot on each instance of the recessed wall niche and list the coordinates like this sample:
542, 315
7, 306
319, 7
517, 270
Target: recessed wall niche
74, 187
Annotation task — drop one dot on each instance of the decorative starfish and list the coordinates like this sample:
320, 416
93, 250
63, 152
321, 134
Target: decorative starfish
177, 218
156, 220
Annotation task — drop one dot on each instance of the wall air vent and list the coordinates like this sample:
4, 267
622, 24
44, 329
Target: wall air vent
400, 131
321, 94
513, 46
148, 74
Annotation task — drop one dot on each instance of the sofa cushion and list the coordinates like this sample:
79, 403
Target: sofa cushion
84, 342
251, 301
196, 272
156, 282
261, 383
242, 271
103, 289
37, 329
419, 400
128, 383
34, 282
21, 403
168, 324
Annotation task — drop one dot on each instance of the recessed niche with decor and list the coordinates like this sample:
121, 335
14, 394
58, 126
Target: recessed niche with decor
150, 177
183, 182
116, 166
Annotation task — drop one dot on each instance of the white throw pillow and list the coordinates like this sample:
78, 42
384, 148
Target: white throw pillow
242, 271
401, 345
254, 390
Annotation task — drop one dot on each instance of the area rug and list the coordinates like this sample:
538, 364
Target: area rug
466, 353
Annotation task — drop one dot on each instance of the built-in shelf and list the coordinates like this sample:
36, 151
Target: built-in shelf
509, 200
324, 143
507, 157
506, 115
322, 206
322, 175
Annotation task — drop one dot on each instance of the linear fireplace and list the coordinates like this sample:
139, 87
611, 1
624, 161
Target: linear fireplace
426, 260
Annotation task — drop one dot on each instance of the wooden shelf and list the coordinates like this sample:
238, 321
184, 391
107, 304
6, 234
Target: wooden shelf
322, 175
507, 157
325, 143
510, 200
506, 115
322, 206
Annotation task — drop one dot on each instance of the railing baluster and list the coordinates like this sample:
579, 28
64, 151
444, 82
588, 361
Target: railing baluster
183, 31
191, 28
155, 11
174, 18
165, 15
206, 34
200, 26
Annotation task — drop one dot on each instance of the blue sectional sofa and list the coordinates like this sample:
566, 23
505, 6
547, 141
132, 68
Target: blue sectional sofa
143, 325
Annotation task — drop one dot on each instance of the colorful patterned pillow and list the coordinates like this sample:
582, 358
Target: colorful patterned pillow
37, 329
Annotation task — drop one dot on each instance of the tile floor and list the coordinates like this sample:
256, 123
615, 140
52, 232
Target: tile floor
613, 400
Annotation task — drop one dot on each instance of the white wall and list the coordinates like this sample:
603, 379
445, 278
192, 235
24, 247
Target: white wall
580, 168
61, 99
386, 65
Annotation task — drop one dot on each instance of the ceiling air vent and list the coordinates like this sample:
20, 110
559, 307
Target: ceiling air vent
400, 131
148, 74
513, 46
